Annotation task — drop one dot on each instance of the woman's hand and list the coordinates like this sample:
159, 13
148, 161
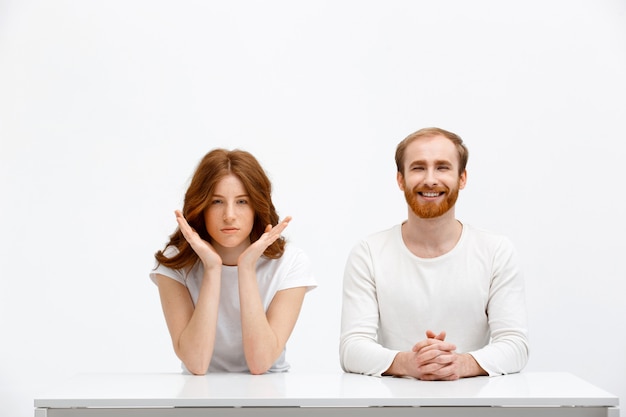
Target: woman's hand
205, 251
251, 255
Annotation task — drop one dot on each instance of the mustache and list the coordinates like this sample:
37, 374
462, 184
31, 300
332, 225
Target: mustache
426, 189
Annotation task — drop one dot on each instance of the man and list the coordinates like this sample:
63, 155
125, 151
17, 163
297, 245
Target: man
433, 298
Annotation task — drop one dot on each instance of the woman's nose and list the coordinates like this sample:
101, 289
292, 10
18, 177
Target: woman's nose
229, 212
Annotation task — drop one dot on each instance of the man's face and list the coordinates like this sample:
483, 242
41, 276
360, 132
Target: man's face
431, 180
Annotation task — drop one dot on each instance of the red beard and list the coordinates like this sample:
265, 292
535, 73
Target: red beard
431, 209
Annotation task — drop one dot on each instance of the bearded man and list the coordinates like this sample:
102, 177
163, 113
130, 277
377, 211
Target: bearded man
433, 298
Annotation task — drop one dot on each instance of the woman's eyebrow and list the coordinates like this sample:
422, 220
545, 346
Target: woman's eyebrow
237, 196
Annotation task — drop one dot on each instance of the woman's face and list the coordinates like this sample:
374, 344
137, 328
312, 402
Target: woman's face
230, 217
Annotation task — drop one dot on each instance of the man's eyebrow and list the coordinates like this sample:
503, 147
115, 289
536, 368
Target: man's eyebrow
437, 162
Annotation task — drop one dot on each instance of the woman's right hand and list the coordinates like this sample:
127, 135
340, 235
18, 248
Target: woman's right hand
205, 251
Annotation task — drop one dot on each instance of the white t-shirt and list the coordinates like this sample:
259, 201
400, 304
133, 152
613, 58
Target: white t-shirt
291, 270
391, 297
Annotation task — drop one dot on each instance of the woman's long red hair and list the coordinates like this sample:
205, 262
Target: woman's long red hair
212, 168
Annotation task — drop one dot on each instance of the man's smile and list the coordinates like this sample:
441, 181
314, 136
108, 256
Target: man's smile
430, 193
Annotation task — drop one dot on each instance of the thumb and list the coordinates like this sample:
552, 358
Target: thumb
431, 335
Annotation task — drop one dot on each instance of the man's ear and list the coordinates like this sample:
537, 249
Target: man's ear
462, 180
400, 179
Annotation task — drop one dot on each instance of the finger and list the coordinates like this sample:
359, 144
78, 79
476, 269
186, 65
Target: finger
433, 344
431, 352
426, 342
436, 371
180, 218
437, 377
447, 373
429, 371
182, 222
439, 358
188, 232
280, 227
432, 335
273, 233
422, 344
442, 346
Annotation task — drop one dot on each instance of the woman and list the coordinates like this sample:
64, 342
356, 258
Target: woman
230, 288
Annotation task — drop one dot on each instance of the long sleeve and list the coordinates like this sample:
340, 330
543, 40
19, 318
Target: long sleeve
507, 351
359, 349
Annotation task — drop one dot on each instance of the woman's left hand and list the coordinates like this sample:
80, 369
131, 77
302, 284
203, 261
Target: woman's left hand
251, 255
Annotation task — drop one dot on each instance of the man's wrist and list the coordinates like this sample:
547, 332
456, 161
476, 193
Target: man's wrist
397, 367
470, 367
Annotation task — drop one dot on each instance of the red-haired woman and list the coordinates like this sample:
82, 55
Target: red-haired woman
230, 288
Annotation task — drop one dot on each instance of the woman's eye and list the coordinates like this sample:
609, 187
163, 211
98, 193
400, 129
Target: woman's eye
242, 202
216, 202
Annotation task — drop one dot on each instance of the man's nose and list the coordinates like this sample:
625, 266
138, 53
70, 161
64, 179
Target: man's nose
431, 177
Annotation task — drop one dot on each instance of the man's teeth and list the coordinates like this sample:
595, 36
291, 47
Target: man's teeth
430, 194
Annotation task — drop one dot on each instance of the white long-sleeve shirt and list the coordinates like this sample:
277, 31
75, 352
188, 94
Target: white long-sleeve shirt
475, 293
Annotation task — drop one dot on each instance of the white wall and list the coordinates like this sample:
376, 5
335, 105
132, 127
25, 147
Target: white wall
106, 107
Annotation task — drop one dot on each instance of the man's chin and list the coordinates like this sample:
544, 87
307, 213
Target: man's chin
427, 216
429, 212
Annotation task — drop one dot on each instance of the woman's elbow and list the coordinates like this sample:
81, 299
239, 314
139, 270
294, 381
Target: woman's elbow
259, 367
195, 365
258, 370
260, 364
198, 372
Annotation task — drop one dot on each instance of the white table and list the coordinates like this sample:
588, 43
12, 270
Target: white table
333, 394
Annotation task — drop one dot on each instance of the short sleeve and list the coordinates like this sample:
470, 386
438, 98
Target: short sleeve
160, 269
299, 272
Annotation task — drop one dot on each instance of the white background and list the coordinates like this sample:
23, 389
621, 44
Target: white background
106, 107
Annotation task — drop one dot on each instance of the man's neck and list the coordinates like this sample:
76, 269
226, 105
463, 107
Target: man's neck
430, 238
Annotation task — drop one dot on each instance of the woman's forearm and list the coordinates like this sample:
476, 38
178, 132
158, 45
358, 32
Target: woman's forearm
260, 343
197, 340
